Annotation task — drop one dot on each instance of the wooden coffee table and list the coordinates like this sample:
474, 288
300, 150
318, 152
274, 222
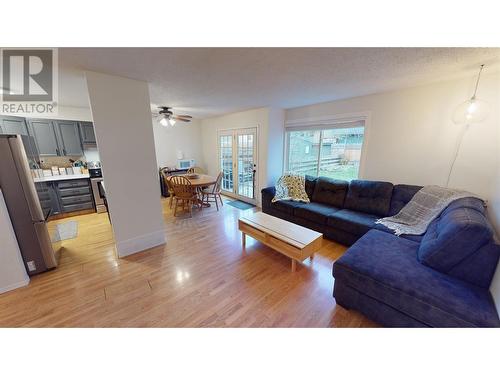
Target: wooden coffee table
296, 242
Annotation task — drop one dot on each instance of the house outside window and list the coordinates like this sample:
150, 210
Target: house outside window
332, 151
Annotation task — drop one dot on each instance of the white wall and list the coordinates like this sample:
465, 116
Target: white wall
275, 146
64, 113
411, 136
269, 132
185, 137
122, 120
12, 272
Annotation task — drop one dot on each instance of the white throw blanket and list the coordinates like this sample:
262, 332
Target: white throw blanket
425, 206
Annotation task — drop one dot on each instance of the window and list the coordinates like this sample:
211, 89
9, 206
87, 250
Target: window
331, 152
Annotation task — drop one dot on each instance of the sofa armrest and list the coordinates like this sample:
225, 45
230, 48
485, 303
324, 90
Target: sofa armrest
267, 195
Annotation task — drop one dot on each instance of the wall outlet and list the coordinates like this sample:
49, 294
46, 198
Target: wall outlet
31, 265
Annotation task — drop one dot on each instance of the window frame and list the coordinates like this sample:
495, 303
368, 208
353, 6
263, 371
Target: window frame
325, 123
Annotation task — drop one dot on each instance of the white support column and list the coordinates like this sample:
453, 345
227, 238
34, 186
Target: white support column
122, 120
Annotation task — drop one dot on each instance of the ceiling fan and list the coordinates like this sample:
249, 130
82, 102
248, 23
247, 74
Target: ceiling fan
166, 117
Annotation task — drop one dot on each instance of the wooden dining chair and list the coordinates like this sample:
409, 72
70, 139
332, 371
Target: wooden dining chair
197, 170
211, 194
171, 191
185, 193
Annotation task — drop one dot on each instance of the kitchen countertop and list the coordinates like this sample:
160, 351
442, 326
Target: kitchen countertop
62, 177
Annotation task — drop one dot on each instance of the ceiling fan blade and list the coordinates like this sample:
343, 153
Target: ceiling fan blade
184, 116
182, 119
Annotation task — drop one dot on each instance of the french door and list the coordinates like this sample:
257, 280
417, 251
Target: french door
238, 163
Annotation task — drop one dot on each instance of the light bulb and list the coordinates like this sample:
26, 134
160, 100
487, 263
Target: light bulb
164, 122
172, 121
472, 108
470, 112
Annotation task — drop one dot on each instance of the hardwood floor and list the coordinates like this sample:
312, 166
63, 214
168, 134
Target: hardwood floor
200, 278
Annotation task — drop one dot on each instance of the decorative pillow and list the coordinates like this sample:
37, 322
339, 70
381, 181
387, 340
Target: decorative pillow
291, 187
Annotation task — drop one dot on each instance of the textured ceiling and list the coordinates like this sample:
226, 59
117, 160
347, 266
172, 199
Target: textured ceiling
206, 82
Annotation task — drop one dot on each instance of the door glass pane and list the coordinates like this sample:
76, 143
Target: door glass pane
303, 152
341, 153
226, 161
246, 165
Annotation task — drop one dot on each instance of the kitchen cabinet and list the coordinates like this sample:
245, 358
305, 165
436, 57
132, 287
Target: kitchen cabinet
52, 137
17, 125
74, 195
44, 133
87, 133
48, 198
65, 196
68, 136
13, 125
56, 137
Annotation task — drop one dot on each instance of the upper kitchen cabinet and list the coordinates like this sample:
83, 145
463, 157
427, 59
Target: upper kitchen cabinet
13, 125
44, 133
87, 133
69, 138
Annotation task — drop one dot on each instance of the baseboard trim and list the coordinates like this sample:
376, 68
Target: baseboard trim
19, 284
141, 243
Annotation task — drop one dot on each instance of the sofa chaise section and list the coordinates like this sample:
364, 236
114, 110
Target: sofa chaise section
381, 277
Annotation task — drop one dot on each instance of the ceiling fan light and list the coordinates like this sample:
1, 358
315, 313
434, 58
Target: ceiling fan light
164, 121
172, 121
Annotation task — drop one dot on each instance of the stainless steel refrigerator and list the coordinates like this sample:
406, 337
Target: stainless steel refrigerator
24, 207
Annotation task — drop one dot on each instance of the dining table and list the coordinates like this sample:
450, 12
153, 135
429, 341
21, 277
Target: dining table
199, 181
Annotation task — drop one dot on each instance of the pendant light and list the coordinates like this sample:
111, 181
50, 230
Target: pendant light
473, 110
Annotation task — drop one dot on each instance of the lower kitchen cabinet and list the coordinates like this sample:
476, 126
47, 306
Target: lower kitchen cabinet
48, 198
65, 196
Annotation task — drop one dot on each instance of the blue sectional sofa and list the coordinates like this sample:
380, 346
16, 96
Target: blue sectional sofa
439, 279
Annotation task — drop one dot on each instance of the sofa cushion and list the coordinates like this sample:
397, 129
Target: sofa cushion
372, 197
385, 267
478, 268
287, 206
401, 195
453, 237
354, 222
316, 212
330, 191
468, 202
310, 185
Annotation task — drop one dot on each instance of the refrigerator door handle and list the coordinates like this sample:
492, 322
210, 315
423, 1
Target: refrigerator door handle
48, 214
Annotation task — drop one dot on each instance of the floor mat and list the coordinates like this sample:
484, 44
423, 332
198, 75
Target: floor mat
65, 231
240, 205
